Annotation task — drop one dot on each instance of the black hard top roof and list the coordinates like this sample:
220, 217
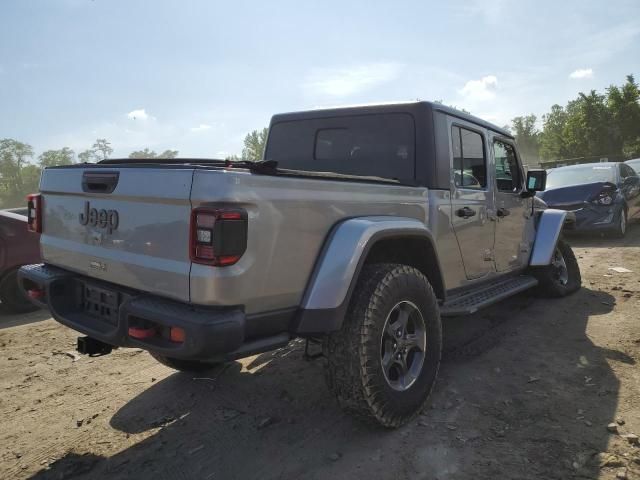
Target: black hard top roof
409, 107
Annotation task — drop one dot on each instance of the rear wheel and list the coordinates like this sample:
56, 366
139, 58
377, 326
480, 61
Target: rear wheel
562, 276
383, 362
185, 365
12, 298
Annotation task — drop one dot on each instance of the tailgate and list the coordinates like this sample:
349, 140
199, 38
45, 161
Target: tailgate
129, 226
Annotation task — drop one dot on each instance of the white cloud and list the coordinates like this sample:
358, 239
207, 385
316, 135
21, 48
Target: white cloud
139, 114
201, 128
582, 73
480, 90
343, 82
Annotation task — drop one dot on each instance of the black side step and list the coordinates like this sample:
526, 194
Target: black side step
471, 302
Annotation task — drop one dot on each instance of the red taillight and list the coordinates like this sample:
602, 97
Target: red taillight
176, 334
34, 213
142, 333
35, 293
218, 237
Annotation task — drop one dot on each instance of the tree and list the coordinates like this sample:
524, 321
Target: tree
13, 158
588, 130
30, 182
146, 153
86, 156
102, 149
254, 144
623, 104
552, 143
527, 137
54, 158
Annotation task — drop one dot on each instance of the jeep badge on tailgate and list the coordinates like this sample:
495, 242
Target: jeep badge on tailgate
99, 218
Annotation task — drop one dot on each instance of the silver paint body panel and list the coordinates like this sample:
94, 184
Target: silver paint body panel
148, 250
548, 232
338, 264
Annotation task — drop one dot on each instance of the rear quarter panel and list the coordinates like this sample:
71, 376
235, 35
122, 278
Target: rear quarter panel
289, 221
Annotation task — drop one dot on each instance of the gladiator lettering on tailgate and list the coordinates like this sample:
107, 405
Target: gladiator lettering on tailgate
107, 219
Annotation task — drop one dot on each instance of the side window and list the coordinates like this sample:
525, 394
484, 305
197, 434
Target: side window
626, 171
508, 173
469, 161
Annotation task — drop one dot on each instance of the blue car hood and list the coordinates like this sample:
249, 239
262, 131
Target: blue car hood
575, 193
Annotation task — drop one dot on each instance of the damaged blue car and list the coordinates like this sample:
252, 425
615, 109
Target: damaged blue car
603, 196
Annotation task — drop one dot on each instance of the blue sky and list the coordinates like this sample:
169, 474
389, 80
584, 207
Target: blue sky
198, 75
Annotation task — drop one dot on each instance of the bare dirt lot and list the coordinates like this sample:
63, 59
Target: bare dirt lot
527, 390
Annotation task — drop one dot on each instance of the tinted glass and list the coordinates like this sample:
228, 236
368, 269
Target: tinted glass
508, 174
626, 171
367, 145
565, 176
634, 164
469, 164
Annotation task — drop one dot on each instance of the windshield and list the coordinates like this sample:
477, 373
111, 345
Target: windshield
563, 177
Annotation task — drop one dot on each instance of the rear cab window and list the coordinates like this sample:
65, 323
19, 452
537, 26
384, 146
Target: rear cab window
375, 145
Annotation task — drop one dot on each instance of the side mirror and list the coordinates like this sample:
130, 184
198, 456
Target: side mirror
536, 180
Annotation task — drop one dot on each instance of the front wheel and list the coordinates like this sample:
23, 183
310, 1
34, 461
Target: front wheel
562, 277
383, 362
620, 229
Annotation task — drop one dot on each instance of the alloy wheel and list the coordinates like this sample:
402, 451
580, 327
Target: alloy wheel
403, 345
561, 273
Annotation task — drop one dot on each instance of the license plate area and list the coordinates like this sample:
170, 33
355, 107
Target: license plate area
101, 303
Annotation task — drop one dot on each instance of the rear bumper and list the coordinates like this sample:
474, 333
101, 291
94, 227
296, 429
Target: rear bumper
209, 333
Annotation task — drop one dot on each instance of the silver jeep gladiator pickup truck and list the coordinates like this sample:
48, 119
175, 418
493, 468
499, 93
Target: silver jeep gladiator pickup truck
362, 227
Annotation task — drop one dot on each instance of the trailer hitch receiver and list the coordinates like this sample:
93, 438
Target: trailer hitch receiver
92, 347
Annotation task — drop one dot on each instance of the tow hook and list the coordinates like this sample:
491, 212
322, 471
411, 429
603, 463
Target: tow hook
92, 347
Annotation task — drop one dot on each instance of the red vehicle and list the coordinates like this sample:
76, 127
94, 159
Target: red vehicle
18, 247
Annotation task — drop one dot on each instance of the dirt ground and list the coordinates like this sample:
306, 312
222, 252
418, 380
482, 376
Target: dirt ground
527, 390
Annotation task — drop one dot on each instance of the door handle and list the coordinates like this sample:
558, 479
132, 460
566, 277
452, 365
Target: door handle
503, 212
465, 212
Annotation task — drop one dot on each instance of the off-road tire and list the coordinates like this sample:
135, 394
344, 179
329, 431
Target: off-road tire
181, 365
354, 371
621, 227
12, 298
548, 284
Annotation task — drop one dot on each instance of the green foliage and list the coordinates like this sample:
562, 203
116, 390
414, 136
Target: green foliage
15, 182
54, 158
594, 125
527, 137
146, 153
254, 144
552, 144
631, 148
86, 156
102, 149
